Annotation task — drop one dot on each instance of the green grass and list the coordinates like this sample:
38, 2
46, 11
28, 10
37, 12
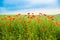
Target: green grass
24, 28
57, 17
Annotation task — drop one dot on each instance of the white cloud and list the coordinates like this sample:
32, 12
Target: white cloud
43, 11
36, 11
30, 3
41, 1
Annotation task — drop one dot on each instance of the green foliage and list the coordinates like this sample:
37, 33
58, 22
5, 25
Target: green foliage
24, 28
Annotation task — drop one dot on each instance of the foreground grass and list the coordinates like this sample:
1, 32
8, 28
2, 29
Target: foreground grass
29, 27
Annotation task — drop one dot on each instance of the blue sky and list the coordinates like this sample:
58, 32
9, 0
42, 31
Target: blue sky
21, 5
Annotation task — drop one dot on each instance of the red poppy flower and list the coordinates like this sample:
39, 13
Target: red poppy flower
12, 19
28, 13
19, 14
9, 16
44, 14
57, 23
3, 19
24, 21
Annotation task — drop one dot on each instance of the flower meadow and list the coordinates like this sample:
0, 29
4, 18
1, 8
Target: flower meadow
29, 27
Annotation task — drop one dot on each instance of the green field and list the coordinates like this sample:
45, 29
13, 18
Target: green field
29, 27
57, 17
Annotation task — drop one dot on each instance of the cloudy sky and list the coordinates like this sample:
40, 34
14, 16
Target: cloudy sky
23, 6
